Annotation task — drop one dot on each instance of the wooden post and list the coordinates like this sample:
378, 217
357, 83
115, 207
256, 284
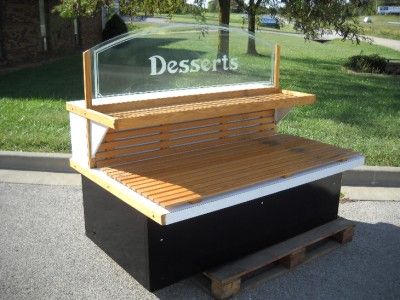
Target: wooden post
87, 78
277, 62
87, 84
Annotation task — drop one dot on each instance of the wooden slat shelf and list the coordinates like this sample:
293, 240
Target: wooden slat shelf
172, 112
192, 176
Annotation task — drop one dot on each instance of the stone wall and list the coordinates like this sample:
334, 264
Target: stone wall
20, 38
91, 31
60, 32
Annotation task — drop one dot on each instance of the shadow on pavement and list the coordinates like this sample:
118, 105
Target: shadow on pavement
367, 267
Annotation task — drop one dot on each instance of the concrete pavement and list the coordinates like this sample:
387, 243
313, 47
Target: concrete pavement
389, 43
44, 254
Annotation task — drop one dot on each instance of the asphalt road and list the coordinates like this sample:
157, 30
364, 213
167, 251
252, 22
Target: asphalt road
44, 254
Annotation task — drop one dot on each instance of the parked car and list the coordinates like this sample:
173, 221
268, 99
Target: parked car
269, 21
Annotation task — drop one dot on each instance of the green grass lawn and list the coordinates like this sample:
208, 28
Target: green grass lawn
381, 27
361, 112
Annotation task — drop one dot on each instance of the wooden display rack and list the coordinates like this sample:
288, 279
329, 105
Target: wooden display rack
158, 148
193, 164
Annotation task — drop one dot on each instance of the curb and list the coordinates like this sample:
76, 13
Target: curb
36, 161
59, 163
376, 176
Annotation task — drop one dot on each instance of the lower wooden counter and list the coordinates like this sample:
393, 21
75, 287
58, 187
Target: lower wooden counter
174, 188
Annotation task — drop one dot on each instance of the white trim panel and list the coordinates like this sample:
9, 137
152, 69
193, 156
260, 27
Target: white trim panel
78, 139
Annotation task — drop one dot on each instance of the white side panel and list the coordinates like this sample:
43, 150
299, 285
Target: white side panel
259, 190
98, 132
78, 139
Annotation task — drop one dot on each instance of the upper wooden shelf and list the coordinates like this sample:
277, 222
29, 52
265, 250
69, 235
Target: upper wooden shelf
146, 113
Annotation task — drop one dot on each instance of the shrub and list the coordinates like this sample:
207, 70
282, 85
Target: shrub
367, 63
115, 26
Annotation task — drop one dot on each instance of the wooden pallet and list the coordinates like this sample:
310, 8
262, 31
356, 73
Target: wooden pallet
227, 280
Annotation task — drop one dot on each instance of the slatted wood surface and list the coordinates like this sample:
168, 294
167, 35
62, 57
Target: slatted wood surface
144, 143
192, 176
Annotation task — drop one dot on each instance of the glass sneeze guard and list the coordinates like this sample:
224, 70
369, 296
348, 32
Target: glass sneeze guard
178, 58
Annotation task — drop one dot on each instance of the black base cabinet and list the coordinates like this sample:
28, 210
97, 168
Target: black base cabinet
157, 256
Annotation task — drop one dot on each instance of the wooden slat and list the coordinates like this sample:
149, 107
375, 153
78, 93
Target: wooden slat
209, 109
190, 177
159, 139
114, 135
191, 156
178, 150
181, 145
244, 175
92, 115
197, 179
275, 143
150, 212
237, 177
141, 114
219, 155
181, 133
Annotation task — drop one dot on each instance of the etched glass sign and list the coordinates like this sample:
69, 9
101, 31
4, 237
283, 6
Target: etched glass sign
179, 57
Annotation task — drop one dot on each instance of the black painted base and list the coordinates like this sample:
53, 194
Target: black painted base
157, 256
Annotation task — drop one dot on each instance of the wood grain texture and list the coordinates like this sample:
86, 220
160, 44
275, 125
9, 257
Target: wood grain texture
140, 114
136, 144
153, 214
277, 62
195, 175
170, 114
87, 78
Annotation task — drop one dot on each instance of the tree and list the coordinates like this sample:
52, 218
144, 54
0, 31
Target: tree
315, 18
131, 7
213, 6
312, 17
223, 35
114, 27
150, 7
250, 9
76, 9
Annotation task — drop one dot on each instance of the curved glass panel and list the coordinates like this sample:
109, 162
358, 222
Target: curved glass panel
179, 57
